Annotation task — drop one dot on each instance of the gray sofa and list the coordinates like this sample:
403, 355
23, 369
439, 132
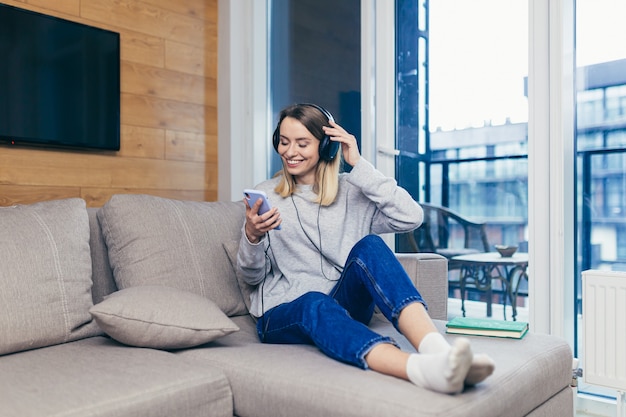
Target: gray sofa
134, 309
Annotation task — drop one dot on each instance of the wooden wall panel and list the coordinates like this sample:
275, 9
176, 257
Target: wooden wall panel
71, 7
142, 142
144, 49
96, 197
17, 194
147, 80
187, 58
155, 112
142, 16
168, 109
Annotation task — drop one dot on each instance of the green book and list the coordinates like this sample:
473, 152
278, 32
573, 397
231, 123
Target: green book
487, 327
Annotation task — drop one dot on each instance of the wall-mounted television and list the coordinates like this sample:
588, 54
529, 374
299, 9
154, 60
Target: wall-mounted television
59, 82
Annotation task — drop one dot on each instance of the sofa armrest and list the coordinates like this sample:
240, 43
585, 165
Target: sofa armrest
429, 273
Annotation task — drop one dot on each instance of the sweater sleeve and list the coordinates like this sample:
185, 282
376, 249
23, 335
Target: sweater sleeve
251, 260
396, 210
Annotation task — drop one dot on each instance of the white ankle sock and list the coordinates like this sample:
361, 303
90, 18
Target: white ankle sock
433, 343
443, 372
482, 366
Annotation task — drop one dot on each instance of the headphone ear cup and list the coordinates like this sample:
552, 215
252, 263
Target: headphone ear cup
276, 138
328, 149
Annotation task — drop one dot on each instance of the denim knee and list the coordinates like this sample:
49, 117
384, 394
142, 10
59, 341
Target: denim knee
371, 241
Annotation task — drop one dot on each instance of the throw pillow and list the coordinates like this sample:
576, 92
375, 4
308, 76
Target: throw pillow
161, 317
159, 241
45, 270
232, 248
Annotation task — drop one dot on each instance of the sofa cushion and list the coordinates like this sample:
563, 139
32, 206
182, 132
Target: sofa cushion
232, 248
161, 317
159, 241
100, 377
45, 270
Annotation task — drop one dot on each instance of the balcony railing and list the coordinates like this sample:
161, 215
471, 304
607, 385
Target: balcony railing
494, 189
602, 209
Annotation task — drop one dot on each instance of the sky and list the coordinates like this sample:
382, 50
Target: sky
479, 56
601, 31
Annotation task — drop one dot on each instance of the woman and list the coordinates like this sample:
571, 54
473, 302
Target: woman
319, 277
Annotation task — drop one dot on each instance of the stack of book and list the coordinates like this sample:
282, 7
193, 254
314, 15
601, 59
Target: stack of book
487, 327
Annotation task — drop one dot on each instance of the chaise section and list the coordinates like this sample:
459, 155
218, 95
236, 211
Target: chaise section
274, 380
539, 366
99, 377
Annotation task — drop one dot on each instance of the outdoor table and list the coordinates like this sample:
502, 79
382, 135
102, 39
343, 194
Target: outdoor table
480, 269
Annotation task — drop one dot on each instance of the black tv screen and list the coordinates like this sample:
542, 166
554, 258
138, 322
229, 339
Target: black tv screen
59, 82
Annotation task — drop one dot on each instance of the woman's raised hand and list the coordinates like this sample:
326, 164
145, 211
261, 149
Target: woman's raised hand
349, 146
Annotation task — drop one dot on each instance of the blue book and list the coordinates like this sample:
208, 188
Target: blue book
487, 327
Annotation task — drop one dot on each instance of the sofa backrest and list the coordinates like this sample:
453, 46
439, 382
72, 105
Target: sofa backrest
45, 270
147, 240
193, 246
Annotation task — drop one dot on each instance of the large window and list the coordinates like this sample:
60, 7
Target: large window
463, 113
600, 145
462, 125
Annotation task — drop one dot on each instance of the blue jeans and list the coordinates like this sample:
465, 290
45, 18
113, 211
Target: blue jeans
337, 322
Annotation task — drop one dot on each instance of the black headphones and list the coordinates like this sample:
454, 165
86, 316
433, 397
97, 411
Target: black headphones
328, 148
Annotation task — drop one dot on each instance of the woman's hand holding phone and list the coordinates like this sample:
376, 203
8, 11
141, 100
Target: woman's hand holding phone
260, 216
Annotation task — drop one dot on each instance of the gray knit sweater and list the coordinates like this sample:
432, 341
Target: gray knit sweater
309, 251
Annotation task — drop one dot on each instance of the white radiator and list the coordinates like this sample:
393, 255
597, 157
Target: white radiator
604, 329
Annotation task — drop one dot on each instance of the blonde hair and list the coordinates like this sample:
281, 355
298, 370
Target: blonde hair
326, 184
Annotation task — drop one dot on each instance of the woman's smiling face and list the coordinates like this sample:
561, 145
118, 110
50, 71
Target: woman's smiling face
299, 150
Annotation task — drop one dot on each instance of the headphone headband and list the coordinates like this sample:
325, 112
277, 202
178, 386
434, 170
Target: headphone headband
321, 109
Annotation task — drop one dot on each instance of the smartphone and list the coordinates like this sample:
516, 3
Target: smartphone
253, 195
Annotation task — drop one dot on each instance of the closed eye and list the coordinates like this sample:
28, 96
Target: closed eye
302, 143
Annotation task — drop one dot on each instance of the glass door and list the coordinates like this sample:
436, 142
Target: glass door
600, 145
462, 134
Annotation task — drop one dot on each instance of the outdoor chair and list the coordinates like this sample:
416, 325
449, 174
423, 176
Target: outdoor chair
449, 234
